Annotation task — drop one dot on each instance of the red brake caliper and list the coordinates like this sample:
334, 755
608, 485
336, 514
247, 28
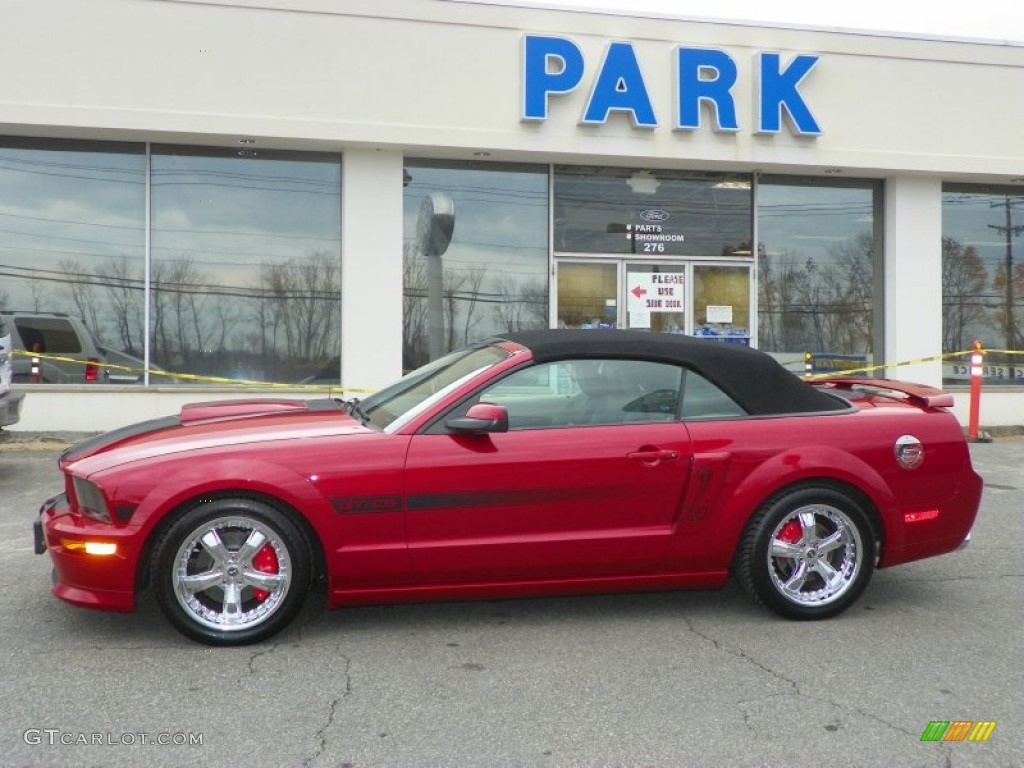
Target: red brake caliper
791, 532
265, 561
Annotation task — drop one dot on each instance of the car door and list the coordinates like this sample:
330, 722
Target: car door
586, 482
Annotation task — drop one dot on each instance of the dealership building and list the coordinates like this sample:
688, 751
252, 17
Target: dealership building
252, 196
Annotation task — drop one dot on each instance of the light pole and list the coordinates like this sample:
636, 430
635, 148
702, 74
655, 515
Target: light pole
435, 226
1009, 230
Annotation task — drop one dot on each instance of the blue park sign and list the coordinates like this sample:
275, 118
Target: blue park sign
554, 66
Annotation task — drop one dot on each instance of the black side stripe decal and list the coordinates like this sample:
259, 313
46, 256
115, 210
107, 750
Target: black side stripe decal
361, 505
501, 498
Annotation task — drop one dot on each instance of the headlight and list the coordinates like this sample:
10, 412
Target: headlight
90, 501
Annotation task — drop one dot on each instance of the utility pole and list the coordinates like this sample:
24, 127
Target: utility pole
1009, 230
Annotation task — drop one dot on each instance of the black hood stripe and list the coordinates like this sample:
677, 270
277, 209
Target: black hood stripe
93, 444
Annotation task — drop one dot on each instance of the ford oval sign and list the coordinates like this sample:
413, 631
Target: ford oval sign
654, 215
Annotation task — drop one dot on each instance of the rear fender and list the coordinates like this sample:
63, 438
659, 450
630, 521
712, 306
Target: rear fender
807, 463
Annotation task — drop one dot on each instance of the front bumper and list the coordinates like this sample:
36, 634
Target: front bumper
103, 582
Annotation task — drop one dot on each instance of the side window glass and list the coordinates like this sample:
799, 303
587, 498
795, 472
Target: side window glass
44, 334
624, 392
703, 400
584, 392
534, 397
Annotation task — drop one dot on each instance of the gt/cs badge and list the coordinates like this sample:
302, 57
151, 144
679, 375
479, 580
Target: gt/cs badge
355, 505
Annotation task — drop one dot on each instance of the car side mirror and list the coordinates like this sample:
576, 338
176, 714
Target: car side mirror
481, 418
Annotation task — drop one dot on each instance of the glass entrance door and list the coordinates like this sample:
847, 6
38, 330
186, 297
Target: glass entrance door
720, 303
684, 296
588, 295
656, 297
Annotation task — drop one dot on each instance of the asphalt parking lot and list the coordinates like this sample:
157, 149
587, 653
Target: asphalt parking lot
671, 679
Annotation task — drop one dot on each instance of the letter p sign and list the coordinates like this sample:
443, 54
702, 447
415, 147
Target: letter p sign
550, 65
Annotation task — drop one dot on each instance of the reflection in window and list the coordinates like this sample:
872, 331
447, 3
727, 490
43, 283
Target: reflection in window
587, 295
648, 213
587, 392
72, 229
982, 232
816, 268
246, 263
492, 276
721, 303
704, 400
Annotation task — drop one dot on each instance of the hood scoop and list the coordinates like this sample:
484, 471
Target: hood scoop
239, 409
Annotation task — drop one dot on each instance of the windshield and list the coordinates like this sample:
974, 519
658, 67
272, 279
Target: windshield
415, 391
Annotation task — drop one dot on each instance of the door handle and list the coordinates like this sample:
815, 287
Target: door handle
653, 456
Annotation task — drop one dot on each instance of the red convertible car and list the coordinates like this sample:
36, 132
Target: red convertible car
538, 463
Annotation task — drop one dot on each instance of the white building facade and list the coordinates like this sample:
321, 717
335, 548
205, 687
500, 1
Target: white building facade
250, 194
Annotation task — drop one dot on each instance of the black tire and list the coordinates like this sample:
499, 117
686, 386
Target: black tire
231, 571
808, 553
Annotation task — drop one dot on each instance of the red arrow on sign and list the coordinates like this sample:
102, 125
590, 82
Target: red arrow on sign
638, 291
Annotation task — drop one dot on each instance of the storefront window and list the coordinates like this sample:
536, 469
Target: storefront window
721, 303
475, 254
651, 213
982, 236
72, 224
816, 267
588, 295
246, 268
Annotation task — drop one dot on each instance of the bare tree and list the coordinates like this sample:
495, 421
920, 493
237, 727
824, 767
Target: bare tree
964, 278
36, 287
297, 304
522, 304
474, 279
785, 302
453, 282
81, 289
414, 309
178, 301
125, 298
1013, 310
847, 282
818, 304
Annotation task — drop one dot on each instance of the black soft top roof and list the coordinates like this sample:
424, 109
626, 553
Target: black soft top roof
755, 380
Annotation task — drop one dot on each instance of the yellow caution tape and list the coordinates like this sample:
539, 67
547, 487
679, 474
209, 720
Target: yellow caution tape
332, 388
870, 368
195, 378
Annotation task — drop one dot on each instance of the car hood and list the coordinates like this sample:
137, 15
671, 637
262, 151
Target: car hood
215, 424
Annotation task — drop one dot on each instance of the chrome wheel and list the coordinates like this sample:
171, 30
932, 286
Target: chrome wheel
815, 555
808, 552
232, 573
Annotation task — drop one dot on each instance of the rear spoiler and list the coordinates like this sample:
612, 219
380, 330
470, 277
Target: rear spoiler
921, 394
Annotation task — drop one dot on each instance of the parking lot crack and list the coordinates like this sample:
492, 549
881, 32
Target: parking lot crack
870, 716
320, 736
794, 686
937, 579
743, 656
259, 654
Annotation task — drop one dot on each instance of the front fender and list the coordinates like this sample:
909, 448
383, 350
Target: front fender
155, 492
